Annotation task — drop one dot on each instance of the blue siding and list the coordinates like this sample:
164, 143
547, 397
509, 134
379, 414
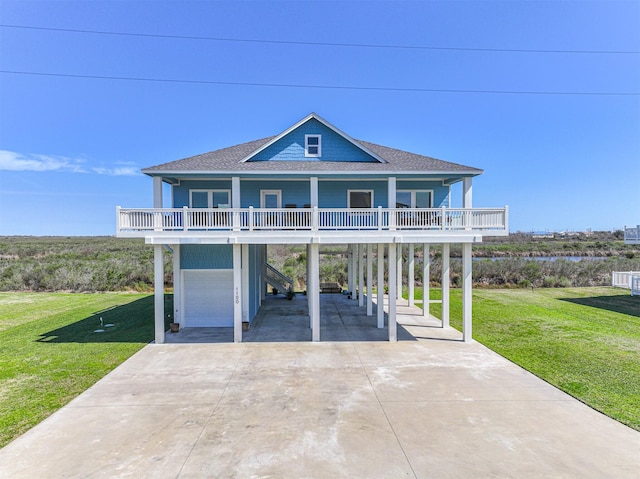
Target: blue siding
181, 191
209, 256
334, 146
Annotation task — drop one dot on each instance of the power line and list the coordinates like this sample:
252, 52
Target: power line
326, 87
323, 44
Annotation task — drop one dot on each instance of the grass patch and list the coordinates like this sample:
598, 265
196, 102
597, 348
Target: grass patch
50, 352
585, 341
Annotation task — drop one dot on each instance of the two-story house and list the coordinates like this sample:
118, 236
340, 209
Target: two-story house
312, 184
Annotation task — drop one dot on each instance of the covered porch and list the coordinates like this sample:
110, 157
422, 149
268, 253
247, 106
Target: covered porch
281, 320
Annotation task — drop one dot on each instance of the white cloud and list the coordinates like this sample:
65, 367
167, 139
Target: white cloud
14, 161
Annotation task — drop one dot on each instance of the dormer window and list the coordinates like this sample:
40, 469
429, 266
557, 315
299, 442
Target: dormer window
312, 145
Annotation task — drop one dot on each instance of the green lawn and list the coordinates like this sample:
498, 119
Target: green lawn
585, 341
50, 353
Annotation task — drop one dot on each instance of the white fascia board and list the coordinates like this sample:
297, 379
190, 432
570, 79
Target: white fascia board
326, 237
318, 173
302, 122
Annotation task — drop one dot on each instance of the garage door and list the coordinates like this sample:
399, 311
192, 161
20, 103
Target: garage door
208, 298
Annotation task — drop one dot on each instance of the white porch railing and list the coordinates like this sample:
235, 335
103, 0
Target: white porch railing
632, 235
623, 279
310, 219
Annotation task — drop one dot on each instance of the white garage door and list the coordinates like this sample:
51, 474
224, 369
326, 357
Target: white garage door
208, 298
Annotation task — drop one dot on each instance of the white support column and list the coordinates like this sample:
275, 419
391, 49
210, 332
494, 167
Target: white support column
392, 325
235, 192
399, 271
350, 285
411, 274
177, 285
314, 290
445, 284
158, 289
426, 273
360, 274
310, 297
354, 271
467, 193
237, 293
369, 279
263, 272
466, 292
313, 191
391, 201
380, 286
157, 192
245, 282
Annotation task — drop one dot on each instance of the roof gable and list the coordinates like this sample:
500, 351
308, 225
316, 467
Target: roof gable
335, 146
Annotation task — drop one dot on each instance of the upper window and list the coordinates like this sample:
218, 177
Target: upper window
312, 145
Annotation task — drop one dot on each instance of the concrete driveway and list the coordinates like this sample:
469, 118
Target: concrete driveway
353, 405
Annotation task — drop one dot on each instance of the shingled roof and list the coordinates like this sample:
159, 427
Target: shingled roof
233, 159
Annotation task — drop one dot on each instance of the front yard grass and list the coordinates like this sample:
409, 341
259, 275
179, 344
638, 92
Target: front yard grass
585, 341
49, 352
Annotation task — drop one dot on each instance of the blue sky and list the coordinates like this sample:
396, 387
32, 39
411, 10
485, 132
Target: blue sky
72, 147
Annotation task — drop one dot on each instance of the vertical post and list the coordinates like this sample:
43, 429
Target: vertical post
392, 325
445, 284
350, 269
263, 272
466, 293
411, 274
380, 286
369, 279
177, 286
467, 193
360, 274
426, 273
157, 192
237, 293
158, 289
235, 202
310, 297
398, 278
391, 202
313, 191
245, 282
157, 202
314, 290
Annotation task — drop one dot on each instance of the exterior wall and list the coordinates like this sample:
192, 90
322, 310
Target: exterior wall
331, 193
181, 191
293, 192
334, 146
210, 256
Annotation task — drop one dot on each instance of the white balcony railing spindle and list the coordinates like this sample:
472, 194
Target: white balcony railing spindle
315, 219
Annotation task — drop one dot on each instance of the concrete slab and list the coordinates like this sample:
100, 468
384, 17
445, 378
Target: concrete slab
281, 406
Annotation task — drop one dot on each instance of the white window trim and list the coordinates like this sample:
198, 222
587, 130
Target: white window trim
359, 191
264, 193
306, 146
413, 196
209, 196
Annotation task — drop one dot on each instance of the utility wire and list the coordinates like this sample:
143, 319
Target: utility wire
326, 87
324, 44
